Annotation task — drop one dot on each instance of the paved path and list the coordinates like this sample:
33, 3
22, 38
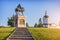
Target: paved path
21, 34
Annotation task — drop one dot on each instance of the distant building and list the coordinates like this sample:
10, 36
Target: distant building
46, 20
53, 25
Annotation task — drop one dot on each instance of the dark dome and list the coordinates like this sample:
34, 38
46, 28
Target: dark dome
46, 16
16, 9
19, 8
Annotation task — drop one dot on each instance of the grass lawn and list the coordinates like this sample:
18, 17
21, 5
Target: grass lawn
45, 33
37, 33
5, 32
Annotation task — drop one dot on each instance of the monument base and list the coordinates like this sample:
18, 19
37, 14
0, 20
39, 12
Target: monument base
19, 21
21, 26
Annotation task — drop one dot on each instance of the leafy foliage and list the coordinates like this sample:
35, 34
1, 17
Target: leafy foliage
27, 25
11, 21
35, 25
40, 23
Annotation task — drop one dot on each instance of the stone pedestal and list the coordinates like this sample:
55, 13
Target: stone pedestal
19, 21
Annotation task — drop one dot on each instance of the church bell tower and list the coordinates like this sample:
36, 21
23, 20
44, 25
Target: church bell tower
46, 20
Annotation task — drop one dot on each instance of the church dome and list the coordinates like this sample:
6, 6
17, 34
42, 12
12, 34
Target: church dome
19, 8
46, 16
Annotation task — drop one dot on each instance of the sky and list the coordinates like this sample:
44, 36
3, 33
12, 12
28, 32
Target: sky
34, 9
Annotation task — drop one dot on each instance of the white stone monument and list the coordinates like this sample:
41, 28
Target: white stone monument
19, 18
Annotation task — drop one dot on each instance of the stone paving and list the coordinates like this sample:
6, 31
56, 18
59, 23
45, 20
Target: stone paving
21, 34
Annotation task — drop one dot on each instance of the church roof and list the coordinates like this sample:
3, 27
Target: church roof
46, 16
19, 8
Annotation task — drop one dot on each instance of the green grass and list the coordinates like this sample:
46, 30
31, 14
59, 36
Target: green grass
37, 33
45, 33
5, 32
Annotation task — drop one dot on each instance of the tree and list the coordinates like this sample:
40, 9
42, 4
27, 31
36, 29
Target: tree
11, 21
35, 25
27, 25
40, 23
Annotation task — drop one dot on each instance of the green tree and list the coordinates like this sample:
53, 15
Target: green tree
27, 25
40, 23
11, 21
35, 25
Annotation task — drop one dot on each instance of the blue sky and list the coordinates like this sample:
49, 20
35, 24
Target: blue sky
34, 9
